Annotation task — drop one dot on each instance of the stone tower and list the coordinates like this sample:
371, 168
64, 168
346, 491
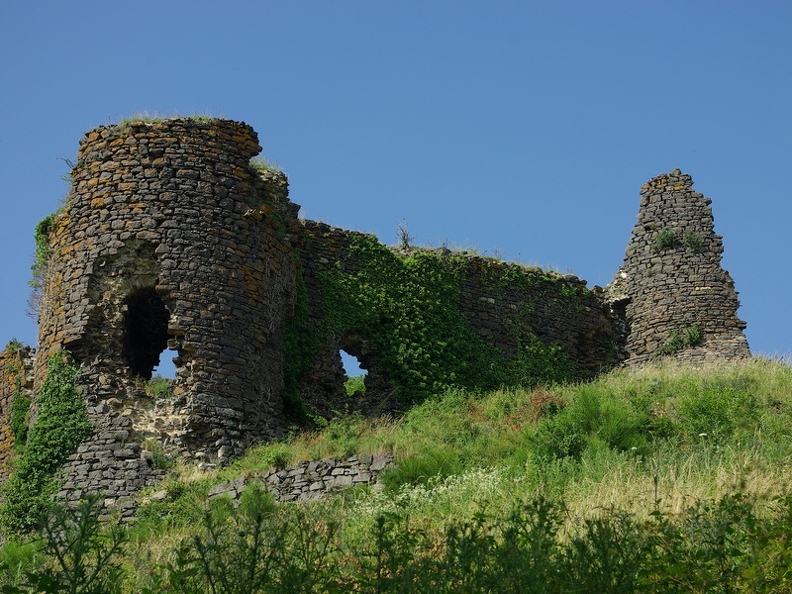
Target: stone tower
675, 296
171, 238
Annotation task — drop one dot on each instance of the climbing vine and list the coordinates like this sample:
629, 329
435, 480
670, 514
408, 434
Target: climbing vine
61, 424
408, 310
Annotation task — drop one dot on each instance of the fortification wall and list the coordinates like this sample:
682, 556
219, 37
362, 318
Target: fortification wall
170, 237
420, 302
676, 297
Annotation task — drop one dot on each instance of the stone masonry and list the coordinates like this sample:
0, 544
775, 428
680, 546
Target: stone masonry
172, 238
676, 298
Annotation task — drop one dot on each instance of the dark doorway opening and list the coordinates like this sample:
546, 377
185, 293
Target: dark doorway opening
146, 331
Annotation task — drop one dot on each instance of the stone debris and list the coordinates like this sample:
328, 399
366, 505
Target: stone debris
310, 480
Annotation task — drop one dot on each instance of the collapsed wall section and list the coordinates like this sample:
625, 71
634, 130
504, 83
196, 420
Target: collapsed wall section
676, 298
171, 239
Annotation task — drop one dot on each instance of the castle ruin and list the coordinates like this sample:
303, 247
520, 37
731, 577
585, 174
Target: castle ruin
171, 238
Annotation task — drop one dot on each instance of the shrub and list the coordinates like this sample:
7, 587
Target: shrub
666, 239
83, 555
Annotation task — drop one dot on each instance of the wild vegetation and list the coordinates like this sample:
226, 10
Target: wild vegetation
665, 479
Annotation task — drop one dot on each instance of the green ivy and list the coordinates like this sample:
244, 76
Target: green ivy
408, 310
20, 413
61, 425
43, 249
300, 347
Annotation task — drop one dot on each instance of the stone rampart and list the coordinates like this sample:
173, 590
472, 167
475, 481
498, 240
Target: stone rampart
506, 306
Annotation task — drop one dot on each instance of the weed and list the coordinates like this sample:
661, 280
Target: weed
692, 241
405, 237
158, 386
690, 336
13, 346
666, 239
84, 554
263, 164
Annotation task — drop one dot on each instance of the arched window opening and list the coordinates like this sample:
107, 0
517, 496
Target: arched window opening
355, 374
146, 331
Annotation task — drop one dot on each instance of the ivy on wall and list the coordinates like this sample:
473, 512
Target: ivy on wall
61, 425
407, 308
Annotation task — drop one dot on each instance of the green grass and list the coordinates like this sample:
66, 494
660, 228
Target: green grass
666, 479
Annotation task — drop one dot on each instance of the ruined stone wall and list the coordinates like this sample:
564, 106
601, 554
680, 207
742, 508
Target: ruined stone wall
506, 306
170, 238
16, 382
676, 298
310, 480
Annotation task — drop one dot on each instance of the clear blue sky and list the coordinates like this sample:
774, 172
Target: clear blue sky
522, 128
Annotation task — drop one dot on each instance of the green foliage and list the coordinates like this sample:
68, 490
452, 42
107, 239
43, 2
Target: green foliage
158, 386
255, 549
18, 556
13, 346
692, 241
666, 239
61, 424
263, 164
43, 249
20, 414
355, 384
717, 411
594, 417
715, 545
419, 468
407, 307
84, 556
691, 336
300, 343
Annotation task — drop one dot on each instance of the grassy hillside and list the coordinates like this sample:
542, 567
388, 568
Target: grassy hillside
666, 479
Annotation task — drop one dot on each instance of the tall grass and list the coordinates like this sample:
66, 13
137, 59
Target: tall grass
625, 479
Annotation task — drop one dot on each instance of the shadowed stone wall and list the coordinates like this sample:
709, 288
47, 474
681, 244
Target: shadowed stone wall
169, 238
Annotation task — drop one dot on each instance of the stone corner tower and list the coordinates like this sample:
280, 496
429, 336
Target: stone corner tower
674, 294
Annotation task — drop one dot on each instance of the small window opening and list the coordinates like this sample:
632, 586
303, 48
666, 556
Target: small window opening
356, 375
146, 331
166, 367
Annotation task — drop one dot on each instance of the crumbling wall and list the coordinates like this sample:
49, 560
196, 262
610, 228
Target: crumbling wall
676, 298
16, 393
506, 309
170, 238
